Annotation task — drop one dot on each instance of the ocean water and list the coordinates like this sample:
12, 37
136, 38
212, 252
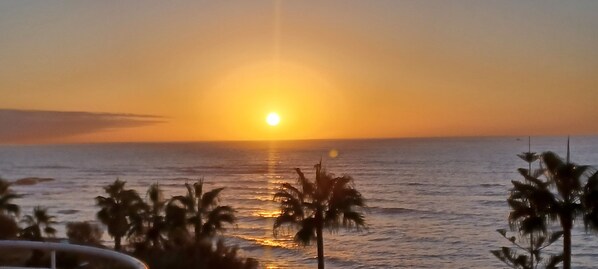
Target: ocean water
432, 203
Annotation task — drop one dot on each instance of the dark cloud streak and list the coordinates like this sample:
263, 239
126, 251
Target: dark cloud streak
21, 126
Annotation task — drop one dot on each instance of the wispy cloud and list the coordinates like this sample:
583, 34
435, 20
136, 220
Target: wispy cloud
38, 125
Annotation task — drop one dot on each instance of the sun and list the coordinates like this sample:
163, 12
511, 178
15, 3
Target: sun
273, 119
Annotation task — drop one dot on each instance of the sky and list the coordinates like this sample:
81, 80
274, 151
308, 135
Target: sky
107, 71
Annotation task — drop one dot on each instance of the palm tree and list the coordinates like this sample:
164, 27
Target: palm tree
6, 197
566, 204
590, 202
329, 202
154, 217
38, 224
205, 214
176, 222
117, 209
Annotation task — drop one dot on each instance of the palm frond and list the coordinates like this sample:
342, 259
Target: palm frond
216, 218
198, 187
307, 187
353, 219
529, 157
552, 162
210, 198
307, 231
286, 219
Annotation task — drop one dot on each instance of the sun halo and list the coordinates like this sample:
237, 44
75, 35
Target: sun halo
273, 119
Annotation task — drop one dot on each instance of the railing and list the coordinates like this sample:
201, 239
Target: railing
92, 251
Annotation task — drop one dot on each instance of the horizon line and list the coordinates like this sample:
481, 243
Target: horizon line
290, 140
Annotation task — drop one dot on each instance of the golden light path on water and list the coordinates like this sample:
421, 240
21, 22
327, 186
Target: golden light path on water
272, 212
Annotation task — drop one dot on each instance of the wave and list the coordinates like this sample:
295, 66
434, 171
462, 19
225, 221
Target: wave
31, 181
47, 167
394, 210
494, 203
67, 211
417, 184
488, 185
267, 242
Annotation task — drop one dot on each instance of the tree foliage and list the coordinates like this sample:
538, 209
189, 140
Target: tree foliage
7, 207
327, 202
38, 224
567, 192
530, 202
84, 233
118, 210
203, 211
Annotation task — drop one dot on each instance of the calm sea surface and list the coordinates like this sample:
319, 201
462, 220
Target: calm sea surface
432, 203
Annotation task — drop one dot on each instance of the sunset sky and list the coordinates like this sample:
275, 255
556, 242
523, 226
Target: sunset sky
101, 71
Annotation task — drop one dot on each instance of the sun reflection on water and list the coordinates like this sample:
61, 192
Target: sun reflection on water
272, 210
267, 213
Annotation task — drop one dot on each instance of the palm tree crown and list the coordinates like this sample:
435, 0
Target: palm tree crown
39, 223
117, 209
152, 231
328, 201
566, 203
204, 213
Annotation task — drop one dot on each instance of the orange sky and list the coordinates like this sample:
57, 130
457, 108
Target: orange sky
340, 69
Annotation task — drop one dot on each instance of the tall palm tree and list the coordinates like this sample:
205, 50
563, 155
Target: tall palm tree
566, 204
328, 201
38, 224
154, 218
205, 214
6, 197
117, 209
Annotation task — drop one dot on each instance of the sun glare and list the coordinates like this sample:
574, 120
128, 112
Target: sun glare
273, 119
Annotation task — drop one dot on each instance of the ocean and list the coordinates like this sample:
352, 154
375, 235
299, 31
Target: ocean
431, 203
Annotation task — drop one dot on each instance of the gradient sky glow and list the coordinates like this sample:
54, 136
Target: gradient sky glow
212, 70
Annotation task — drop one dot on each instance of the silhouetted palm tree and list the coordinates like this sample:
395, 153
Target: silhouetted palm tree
590, 202
155, 220
176, 222
205, 215
6, 197
38, 224
117, 209
329, 202
566, 204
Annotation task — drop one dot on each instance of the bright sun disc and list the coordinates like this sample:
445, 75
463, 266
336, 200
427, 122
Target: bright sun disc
273, 119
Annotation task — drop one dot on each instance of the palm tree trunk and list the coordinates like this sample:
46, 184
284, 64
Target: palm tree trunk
567, 248
566, 224
320, 240
117, 243
531, 250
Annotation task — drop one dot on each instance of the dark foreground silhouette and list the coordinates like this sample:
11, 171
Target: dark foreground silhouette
559, 191
327, 202
174, 233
